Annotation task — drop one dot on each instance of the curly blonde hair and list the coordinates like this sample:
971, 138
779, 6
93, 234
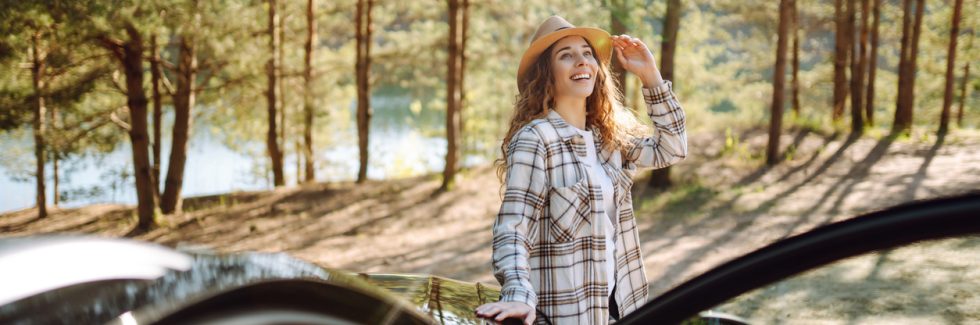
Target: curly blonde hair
603, 111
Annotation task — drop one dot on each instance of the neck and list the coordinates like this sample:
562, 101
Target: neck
572, 110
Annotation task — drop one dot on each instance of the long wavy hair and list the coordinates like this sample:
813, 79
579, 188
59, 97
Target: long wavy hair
603, 111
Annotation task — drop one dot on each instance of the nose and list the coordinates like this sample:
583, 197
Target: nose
582, 61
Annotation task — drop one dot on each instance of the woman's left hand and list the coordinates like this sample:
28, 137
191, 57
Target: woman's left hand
636, 58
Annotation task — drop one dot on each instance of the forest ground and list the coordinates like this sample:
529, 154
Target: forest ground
725, 204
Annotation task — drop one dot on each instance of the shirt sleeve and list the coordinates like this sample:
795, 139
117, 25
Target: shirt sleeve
523, 201
668, 143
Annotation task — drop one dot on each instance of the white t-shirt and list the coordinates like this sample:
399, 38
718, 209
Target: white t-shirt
608, 203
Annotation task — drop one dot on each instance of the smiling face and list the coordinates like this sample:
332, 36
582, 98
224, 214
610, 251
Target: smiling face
574, 67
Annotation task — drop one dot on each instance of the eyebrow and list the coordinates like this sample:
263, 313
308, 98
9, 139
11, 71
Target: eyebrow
569, 48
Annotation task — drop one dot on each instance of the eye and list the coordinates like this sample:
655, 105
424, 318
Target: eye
565, 56
588, 53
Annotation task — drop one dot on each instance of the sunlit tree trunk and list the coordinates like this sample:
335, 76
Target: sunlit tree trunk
155, 75
966, 76
778, 81
454, 92
308, 101
906, 93
841, 52
37, 77
170, 201
55, 158
950, 65
660, 178
272, 72
869, 111
858, 61
281, 83
795, 30
617, 15
130, 56
363, 24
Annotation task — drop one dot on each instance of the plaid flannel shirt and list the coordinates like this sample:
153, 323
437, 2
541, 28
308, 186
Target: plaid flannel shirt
548, 249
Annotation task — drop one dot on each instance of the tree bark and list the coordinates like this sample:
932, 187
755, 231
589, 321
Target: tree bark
660, 178
841, 52
37, 77
130, 56
171, 200
869, 111
950, 66
778, 81
858, 60
906, 93
155, 75
618, 72
966, 76
453, 93
795, 29
55, 151
272, 72
307, 148
281, 83
363, 68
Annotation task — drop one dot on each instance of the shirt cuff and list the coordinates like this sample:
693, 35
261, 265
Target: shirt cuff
659, 94
520, 294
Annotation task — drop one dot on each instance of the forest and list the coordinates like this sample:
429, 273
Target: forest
271, 80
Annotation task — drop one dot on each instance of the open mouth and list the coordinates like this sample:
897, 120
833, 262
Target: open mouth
581, 76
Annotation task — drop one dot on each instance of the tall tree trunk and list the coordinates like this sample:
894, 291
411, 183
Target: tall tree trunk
795, 29
155, 75
171, 200
869, 110
308, 107
363, 68
660, 178
55, 158
616, 14
906, 92
281, 82
858, 60
778, 81
841, 53
130, 56
966, 76
453, 99
465, 24
272, 72
950, 65
37, 77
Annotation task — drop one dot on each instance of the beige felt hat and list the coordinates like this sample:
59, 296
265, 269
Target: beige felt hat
555, 28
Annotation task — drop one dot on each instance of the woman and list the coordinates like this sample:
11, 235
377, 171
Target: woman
565, 244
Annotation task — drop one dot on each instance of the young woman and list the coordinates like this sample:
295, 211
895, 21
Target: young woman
565, 243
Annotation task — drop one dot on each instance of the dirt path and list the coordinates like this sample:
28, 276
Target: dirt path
724, 206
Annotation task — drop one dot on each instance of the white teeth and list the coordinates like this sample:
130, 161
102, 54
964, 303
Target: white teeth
580, 76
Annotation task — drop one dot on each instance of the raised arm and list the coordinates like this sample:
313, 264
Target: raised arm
668, 143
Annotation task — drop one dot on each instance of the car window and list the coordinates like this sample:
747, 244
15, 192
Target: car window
923, 283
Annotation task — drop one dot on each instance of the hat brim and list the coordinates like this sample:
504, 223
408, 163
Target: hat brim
599, 39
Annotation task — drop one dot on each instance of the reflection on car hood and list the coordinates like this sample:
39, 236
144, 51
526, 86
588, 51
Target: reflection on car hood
446, 300
102, 297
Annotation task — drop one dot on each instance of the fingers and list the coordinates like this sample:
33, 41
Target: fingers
625, 42
488, 310
529, 319
509, 313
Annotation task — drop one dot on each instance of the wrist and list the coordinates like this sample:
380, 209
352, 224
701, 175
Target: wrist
652, 81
